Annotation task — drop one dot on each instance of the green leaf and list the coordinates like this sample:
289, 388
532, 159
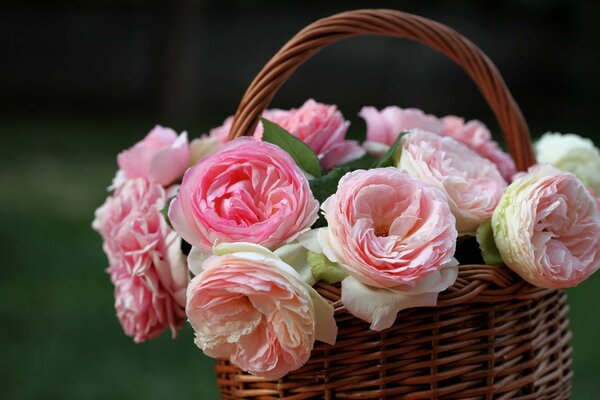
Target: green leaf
325, 270
487, 245
300, 152
165, 210
392, 155
326, 185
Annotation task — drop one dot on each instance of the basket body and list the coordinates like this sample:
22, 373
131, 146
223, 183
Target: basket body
484, 340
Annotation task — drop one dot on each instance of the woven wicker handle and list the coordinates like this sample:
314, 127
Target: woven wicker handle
388, 23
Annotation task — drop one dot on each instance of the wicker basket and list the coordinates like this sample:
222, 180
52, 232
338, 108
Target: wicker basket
492, 335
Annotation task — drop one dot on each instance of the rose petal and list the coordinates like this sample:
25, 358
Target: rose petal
296, 256
380, 306
325, 325
195, 260
341, 153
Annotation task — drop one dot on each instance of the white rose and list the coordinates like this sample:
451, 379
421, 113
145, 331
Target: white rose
571, 153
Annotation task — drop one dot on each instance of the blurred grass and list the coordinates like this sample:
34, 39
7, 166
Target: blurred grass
61, 339
60, 334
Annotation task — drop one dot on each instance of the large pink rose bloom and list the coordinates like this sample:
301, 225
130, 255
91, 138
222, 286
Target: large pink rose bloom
387, 228
395, 236
321, 126
160, 157
249, 191
384, 126
147, 266
250, 307
547, 228
472, 183
477, 136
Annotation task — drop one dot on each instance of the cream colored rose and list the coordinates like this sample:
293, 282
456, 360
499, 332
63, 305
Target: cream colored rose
251, 307
571, 153
547, 228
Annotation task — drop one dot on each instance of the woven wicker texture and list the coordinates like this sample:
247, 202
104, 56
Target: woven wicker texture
492, 335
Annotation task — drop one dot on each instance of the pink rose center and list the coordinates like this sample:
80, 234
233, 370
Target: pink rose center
382, 231
246, 197
396, 215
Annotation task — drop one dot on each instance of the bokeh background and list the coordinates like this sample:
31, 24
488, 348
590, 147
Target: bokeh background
82, 80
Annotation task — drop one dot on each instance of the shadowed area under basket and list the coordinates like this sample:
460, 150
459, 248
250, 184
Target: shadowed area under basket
492, 336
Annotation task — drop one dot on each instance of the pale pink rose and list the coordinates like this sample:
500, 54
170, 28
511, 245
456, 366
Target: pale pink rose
147, 266
384, 126
249, 191
387, 228
136, 198
393, 232
472, 183
160, 157
322, 127
596, 199
250, 307
477, 137
547, 228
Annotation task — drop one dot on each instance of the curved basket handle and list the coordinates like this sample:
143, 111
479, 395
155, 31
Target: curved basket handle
388, 23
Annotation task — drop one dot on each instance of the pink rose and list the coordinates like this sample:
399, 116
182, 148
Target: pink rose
147, 266
547, 228
383, 127
322, 127
393, 232
249, 191
477, 137
160, 157
250, 307
596, 199
388, 229
472, 183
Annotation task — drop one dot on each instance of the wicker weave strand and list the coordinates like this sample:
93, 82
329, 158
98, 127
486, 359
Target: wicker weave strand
388, 23
491, 336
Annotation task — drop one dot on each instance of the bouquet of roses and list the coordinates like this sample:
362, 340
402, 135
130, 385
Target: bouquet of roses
259, 220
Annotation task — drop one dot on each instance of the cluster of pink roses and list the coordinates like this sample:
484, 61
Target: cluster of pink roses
383, 126
250, 214
145, 260
322, 127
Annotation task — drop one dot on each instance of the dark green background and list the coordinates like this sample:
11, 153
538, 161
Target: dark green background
79, 81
